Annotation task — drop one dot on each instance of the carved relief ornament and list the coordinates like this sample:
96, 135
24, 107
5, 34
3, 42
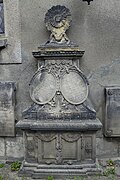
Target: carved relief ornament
57, 21
66, 79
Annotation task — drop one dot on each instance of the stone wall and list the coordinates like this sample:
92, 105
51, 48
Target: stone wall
95, 29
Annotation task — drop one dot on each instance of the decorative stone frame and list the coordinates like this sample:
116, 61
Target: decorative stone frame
11, 39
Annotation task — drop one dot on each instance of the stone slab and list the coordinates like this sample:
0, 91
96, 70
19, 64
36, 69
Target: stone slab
14, 148
60, 125
112, 119
106, 148
7, 105
2, 148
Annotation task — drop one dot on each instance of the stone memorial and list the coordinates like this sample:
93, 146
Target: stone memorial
112, 124
60, 126
7, 108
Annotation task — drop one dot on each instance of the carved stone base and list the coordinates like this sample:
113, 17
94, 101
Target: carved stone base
62, 153
37, 171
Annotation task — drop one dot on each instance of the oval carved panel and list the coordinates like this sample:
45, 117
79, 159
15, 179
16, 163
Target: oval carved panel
43, 87
73, 87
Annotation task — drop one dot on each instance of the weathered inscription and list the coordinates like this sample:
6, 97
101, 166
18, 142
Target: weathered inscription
112, 120
7, 104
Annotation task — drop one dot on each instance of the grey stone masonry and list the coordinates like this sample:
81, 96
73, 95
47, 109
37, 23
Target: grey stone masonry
7, 108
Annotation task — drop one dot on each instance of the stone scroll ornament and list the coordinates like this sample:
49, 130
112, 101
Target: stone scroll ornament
62, 78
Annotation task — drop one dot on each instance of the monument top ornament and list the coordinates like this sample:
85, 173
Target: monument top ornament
58, 20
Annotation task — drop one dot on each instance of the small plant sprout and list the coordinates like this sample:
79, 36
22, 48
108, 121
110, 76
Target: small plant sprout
15, 166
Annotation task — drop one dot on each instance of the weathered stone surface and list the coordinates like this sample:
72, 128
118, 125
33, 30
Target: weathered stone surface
59, 148
95, 29
12, 53
7, 106
112, 116
106, 148
61, 154
93, 33
117, 171
117, 162
60, 127
57, 21
81, 125
14, 148
106, 75
2, 148
3, 43
103, 162
59, 173
69, 112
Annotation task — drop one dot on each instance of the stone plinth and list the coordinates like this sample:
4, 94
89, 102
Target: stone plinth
59, 148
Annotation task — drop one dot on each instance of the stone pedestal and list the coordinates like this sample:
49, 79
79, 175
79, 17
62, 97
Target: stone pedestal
60, 149
60, 126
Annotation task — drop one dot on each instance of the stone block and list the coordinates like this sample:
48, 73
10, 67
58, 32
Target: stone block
14, 148
2, 148
106, 148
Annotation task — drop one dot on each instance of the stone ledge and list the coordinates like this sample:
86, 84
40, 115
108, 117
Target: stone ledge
41, 171
60, 54
3, 43
82, 125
